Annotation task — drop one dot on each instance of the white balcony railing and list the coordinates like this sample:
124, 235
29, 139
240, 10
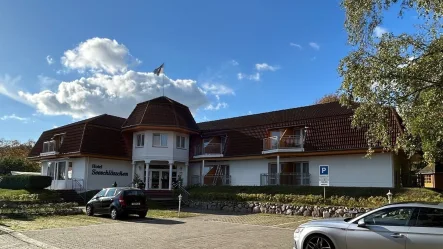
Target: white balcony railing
209, 149
285, 142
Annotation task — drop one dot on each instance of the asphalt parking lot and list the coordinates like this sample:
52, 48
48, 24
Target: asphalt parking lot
204, 231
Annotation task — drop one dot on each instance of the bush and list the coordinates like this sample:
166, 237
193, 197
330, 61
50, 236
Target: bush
25, 182
313, 195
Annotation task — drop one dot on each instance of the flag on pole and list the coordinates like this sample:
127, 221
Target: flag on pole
159, 70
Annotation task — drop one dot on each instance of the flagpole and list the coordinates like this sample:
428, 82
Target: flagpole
163, 83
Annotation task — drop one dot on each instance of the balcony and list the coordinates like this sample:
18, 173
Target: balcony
289, 179
208, 150
212, 180
290, 143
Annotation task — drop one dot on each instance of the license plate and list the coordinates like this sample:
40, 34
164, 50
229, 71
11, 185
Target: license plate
136, 204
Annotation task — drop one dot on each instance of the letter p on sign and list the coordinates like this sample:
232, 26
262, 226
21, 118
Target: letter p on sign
324, 170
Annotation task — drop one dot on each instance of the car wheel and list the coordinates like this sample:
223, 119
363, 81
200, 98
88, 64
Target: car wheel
89, 211
114, 214
317, 241
142, 214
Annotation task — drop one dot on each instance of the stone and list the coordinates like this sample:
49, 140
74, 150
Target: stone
340, 211
315, 213
278, 211
256, 210
251, 205
307, 213
263, 210
239, 206
288, 211
326, 214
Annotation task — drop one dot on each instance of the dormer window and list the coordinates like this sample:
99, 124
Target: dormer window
49, 146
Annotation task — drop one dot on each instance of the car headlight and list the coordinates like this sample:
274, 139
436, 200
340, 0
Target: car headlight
299, 230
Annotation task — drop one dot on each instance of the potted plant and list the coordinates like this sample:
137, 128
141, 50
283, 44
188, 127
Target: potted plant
137, 182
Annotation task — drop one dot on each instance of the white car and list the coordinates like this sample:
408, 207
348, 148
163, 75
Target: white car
394, 226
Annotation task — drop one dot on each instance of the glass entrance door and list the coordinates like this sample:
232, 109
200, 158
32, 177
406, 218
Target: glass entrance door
165, 180
155, 179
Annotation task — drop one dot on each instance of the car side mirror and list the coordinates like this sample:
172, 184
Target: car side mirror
361, 223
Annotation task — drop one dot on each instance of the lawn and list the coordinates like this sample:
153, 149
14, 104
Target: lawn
48, 222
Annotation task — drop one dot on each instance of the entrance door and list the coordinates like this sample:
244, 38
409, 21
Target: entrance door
155, 179
165, 180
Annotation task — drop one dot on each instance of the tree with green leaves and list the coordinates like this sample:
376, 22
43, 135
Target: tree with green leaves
396, 71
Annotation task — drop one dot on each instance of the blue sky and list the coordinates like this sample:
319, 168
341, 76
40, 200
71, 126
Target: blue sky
67, 60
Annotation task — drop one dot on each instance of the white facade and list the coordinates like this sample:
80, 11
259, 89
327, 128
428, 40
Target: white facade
163, 155
353, 170
87, 173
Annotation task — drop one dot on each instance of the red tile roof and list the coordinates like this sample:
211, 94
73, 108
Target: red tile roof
163, 112
99, 135
328, 128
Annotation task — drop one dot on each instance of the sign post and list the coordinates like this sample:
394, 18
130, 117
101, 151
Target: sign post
324, 178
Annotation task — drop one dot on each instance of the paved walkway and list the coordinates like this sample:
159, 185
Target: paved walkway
205, 231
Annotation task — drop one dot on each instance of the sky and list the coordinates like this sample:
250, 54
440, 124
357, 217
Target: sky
64, 61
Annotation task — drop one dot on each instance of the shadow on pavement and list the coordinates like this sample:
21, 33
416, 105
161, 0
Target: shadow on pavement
152, 221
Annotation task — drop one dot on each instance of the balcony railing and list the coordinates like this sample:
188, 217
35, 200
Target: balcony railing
211, 180
290, 179
209, 149
285, 142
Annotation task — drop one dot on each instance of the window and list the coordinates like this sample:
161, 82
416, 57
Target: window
390, 217
101, 193
140, 140
51, 170
160, 140
428, 179
181, 142
49, 146
430, 217
61, 171
111, 192
70, 170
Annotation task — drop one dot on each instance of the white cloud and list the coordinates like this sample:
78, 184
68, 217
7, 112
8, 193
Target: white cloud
314, 45
217, 89
112, 94
46, 82
15, 117
55, 126
266, 67
8, 87
379, 31
217, 107
235, 63
99, 55
253, 77
295, 45
50, 60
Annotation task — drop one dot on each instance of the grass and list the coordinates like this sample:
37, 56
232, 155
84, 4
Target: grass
28, 195
48, 222
38, 223
159, 213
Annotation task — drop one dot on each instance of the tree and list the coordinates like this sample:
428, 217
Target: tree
13, 157
328, 98
396, 71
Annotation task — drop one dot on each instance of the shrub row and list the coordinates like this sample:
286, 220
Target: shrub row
300, 195
25, 182
39, 209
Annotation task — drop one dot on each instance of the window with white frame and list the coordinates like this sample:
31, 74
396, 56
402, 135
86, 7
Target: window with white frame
181, 142
160, 140
140, 140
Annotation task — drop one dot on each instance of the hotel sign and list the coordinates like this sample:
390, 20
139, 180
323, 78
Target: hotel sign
98, 170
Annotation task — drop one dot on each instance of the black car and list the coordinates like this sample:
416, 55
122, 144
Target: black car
118, 202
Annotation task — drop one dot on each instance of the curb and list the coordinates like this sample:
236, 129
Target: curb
25, 238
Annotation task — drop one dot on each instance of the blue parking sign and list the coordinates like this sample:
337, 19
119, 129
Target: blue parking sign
324, 170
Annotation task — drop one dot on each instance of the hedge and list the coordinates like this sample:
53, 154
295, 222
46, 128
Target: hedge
313, 195
27, 210
25, 182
